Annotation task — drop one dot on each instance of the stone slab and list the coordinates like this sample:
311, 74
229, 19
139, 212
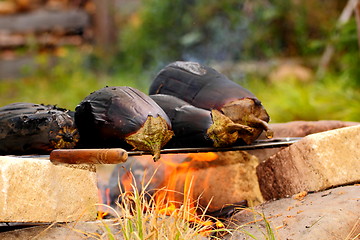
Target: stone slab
229, 180
304, 128
36, 190
332, 215
101, 229
297, 129
317, 162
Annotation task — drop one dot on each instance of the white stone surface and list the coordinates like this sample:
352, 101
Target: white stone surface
36, 190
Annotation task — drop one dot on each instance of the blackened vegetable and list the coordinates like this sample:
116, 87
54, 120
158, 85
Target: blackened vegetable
206, 88
195, 127
114, 116
35, 128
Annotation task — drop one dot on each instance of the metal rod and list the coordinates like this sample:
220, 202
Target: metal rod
259, 144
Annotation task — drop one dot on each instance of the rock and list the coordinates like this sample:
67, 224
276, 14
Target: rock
332, 214
304, 128
297, 129
317, 162
74, 231
229, 179
36, 190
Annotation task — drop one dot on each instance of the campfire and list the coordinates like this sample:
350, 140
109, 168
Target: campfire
209, 184
112, 123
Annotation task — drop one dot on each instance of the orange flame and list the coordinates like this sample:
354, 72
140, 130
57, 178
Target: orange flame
175, 196
178, 191
127, 181
102, 212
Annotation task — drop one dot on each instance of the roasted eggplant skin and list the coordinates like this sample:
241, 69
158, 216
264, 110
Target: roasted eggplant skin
199, 85
204, 87
29, 128
189, 123
122, 116
197, 127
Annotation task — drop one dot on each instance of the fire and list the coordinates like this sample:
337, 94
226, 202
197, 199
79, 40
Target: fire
207, 157
175, 195
102, 211
181, 175
127, 181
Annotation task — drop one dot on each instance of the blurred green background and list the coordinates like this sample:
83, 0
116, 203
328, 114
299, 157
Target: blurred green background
273, 48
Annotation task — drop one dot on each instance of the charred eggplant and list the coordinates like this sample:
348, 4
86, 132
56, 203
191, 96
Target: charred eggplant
195, 127
206, 88
122, 116
35, 128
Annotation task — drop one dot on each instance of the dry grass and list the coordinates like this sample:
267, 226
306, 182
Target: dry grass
140, 216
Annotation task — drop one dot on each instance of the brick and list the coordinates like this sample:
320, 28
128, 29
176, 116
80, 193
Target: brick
317, 162
36, 190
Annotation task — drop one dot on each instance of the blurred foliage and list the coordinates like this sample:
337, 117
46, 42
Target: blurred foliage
329, 99
210, 31
68, 83
65, 83
346, 61
229, 30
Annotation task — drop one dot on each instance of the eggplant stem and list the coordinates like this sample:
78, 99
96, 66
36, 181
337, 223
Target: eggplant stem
222, 131
233, 127
156, 156
152, 136
268, 132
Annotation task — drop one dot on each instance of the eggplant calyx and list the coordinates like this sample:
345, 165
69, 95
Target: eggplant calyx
245, 109
66, 137
224, 131
250, 112
152, 136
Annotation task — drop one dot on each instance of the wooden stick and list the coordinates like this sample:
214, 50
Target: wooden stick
89, 156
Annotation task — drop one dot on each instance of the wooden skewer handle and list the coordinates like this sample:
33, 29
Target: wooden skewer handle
89, 156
